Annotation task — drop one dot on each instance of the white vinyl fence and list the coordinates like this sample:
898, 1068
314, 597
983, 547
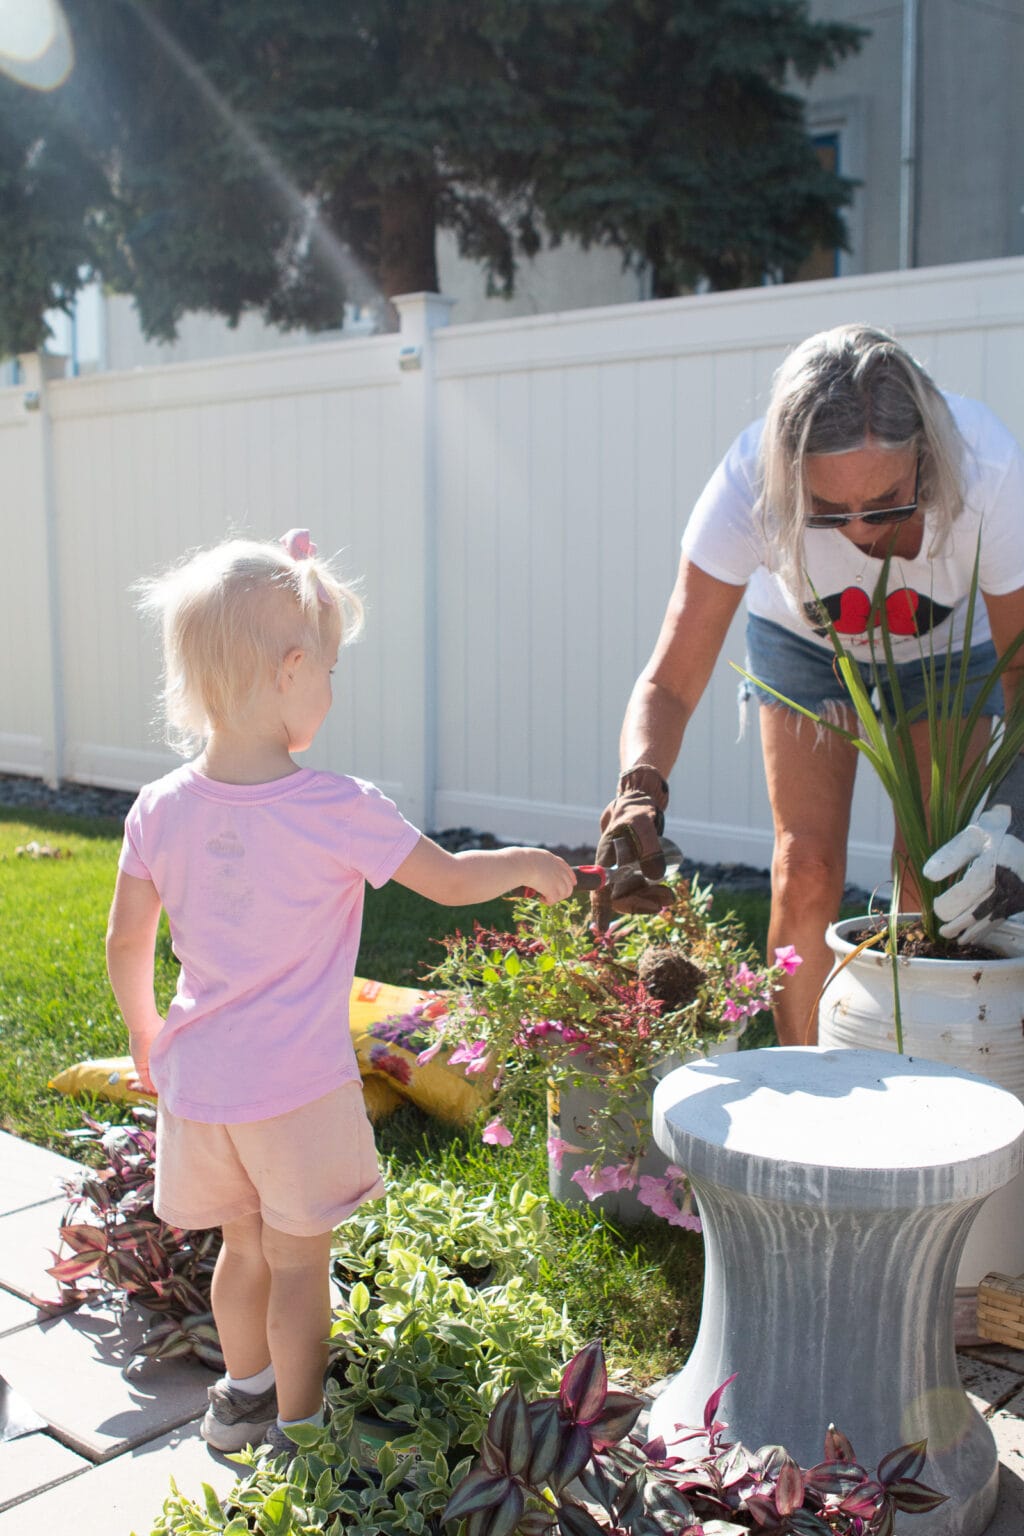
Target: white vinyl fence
512, 495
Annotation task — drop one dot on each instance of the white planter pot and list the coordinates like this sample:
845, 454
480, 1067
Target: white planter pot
571, 1115
963, 1013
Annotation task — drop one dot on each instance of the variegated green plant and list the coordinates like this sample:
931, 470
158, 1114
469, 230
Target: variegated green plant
481, 1238
429, 1355
323, 1491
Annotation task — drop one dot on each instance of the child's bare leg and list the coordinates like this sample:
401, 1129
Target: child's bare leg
298, 1319
240, 1296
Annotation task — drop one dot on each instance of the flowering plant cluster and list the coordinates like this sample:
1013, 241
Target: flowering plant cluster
557, 1003
538, 1456
124, 1253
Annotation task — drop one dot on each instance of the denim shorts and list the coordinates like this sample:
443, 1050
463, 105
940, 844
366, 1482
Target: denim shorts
804, 672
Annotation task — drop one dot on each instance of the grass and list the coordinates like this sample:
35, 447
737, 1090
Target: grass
638, 1289
56, 1006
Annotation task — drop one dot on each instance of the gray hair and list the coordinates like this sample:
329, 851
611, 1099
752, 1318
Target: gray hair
840, 390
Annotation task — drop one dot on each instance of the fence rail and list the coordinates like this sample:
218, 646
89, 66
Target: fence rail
512, 494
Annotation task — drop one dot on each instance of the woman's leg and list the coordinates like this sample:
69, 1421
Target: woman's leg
298, 1319
240, 1294
810, 774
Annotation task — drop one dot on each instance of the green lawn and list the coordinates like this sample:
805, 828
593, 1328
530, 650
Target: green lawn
637, 1289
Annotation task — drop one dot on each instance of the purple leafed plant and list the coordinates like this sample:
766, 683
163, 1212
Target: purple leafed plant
571, 1461
126, 1253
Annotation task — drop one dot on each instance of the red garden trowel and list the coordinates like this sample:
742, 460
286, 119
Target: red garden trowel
597, 877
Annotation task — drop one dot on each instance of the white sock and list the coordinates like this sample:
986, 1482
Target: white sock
261, 1382
316, 1419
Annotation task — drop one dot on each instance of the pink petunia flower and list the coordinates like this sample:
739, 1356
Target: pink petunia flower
557, 1148
496, 1133
732, 1011
603, 1181
788, 959
468, 1053
429, 1054
743, 976
659, 1195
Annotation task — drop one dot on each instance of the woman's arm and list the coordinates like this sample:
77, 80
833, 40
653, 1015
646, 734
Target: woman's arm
670, 686
1006, 621
131, 940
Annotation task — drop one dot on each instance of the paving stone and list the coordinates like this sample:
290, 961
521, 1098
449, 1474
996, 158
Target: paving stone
30, 1173
34, 1462
15, 1312
28, 1240
123, 1497
1009, 1516
990, 1384
79, 1373
1001, 1354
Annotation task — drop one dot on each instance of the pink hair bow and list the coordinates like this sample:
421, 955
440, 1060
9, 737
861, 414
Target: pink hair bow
301, 547
298, 543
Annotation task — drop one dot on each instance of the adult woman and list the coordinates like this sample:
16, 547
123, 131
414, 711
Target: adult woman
859, 456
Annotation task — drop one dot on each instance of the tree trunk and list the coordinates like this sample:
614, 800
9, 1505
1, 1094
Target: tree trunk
408, 258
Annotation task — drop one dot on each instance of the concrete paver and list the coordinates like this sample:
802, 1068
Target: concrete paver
989, 1384
1008, 1519
31, 1173
15, 1313
28, 1239
32, 1463
124, 1497
79, 1371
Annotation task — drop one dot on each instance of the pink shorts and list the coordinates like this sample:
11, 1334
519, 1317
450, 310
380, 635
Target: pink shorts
303, 1172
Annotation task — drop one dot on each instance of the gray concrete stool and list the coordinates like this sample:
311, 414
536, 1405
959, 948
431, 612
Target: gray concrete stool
836, 1189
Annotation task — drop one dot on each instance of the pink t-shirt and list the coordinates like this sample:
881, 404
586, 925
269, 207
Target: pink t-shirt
263, 889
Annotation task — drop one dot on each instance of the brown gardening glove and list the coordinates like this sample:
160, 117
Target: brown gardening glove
631, 829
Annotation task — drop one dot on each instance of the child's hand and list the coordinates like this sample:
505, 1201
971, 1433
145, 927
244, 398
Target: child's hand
547, 876
140, 1081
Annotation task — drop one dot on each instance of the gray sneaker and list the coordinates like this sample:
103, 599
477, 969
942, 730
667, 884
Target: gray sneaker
278, 1441
235, 1419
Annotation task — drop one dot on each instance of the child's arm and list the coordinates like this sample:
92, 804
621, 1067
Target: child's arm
131, 939
460, 879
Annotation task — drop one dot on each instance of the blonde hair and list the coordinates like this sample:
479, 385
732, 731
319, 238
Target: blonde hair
229, 616
840, 390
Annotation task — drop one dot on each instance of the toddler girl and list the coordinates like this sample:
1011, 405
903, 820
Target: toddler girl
260, 866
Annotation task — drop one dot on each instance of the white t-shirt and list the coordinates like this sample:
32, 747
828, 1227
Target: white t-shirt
726, 538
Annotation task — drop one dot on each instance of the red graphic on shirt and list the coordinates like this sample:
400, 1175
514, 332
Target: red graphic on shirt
907, 613
855, 616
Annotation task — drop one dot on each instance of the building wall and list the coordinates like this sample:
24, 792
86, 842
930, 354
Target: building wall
969, 171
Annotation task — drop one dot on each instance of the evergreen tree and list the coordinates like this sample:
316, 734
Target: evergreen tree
287, 155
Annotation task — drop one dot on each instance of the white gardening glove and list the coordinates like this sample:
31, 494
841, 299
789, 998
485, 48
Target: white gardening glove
992, 887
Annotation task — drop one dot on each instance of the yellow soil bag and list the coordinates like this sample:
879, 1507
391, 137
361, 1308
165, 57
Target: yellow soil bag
390, 1025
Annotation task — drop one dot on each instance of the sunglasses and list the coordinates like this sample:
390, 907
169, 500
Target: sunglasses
873, 519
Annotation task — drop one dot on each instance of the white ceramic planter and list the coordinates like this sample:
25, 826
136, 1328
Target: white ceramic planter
571, 1115
967, 1014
